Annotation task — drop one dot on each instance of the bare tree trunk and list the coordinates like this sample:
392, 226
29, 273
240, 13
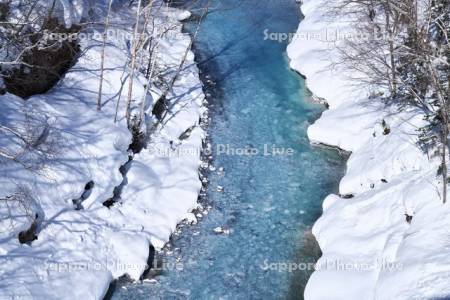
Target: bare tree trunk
147, 88
180, 66
153, 51
133, 63
387, 11
442, 97
102, 66
122, 83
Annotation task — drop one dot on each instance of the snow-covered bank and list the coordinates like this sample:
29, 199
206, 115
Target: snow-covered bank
370, 250
79, 252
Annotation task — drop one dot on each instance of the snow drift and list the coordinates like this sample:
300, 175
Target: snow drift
370, 250
83, 250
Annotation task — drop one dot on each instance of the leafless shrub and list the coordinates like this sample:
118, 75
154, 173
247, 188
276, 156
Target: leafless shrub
411, 60
19, 204
33, 143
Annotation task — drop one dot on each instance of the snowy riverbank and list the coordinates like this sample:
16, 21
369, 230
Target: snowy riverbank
79, 252
370, 251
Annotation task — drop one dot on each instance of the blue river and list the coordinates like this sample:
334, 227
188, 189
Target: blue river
267, 200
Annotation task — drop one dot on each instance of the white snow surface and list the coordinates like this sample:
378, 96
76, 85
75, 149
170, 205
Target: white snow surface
369, 250
79, 252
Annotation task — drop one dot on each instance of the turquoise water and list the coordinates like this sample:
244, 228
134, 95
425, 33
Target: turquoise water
268, 203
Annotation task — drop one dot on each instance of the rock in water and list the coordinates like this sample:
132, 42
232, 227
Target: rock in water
221, 230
